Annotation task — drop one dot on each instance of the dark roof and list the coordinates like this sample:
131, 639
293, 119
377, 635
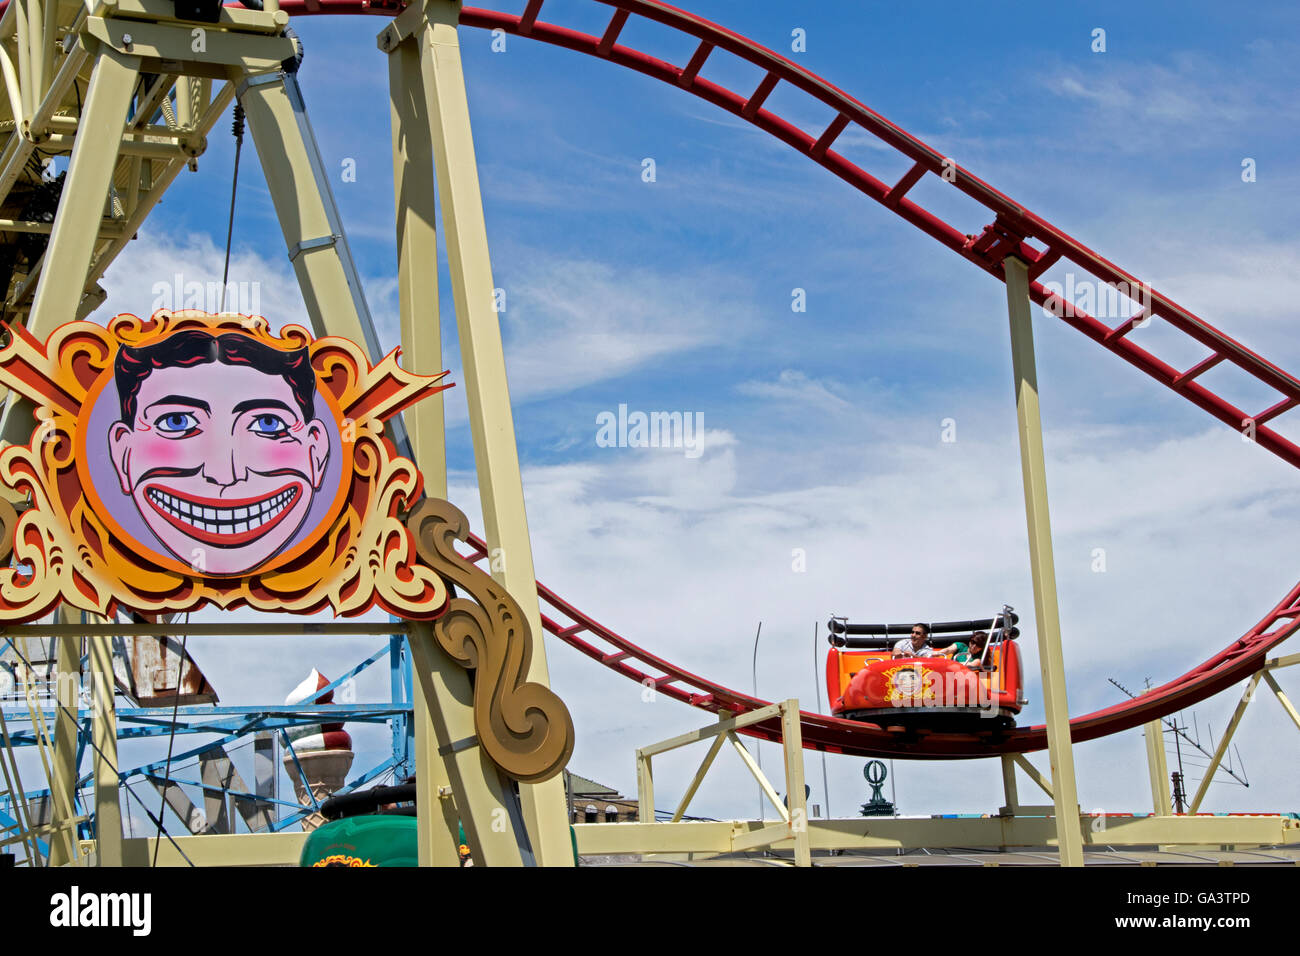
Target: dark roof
586, 786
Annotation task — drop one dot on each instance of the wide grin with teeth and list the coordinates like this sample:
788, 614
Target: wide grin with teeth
223, 523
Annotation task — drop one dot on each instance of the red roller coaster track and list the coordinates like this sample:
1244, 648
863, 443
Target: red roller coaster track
1013, 230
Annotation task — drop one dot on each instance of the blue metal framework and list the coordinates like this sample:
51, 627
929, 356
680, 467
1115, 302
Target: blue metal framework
234, 723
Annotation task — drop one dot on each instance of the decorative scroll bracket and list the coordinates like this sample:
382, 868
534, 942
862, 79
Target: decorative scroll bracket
524, 728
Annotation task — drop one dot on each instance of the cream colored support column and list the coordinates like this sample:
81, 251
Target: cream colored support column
1042, 564
714, 749
417, 284
81, 205
1009, 789
417, 257
108, 810
1282, 698
22, 29
1247, 696
795, 798
36, 40
63, 785
49, 37
185, 105
645, 788
66, 264
486, 814
1157, 767
496, 455
1033, 774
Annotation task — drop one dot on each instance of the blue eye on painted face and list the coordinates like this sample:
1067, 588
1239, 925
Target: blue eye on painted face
176, 423
269, 425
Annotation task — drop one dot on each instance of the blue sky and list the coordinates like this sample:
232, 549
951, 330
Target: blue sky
823, 427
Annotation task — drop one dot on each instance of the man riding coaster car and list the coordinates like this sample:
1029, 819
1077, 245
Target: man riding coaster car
918, 645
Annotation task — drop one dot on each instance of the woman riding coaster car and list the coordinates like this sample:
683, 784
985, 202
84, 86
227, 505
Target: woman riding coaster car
971, 654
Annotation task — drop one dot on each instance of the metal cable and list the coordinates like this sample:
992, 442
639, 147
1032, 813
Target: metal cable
237, 127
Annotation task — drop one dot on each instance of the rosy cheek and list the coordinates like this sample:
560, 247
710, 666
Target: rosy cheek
153, 451
274, 456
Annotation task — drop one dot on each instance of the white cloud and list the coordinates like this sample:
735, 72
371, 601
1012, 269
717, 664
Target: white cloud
573, 322
1194, 94
689, 571
795, 388
161, 269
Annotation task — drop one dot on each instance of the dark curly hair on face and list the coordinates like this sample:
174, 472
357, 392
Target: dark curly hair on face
197, 347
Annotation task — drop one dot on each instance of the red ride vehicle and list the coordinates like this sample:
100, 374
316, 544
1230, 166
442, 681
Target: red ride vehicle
866, 681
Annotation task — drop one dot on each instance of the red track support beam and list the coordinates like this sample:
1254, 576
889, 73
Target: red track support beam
829, 136
1128, 325
529, 17
900, 188
692, 68
1204, 365
1272, 412
759, 96
610, 36
1044, 262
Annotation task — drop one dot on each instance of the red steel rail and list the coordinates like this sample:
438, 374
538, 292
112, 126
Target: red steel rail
1013, 230
821, 732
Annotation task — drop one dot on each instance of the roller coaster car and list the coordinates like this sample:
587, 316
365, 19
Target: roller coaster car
375, 827
866, 682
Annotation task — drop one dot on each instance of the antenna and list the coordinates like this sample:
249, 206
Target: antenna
1180, 734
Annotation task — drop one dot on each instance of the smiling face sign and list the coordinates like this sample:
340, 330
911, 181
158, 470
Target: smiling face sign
191, 458
219, 446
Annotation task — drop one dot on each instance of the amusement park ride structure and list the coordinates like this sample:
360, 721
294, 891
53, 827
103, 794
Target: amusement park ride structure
159, 74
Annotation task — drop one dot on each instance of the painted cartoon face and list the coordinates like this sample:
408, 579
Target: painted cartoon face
220, 463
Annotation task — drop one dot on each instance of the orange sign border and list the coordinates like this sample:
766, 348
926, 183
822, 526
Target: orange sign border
68, 546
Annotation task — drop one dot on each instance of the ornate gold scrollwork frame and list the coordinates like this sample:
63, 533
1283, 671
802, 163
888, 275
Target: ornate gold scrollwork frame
69, 547
524, 727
